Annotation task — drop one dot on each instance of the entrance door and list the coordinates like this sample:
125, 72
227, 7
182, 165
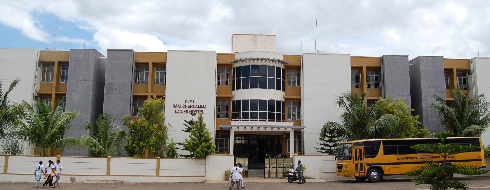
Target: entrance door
359, 161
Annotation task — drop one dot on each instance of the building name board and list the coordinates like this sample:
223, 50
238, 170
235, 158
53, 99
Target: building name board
189, 106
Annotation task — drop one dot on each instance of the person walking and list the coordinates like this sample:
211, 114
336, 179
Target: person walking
38, 172
58, 168
235, 177
299, 169
241, 175
50, 170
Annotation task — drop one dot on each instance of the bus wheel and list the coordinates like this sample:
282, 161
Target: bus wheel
360, 179
374, 176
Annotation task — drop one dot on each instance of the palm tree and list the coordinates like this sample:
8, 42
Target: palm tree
44, 126
8, 115
463, 116
384, 119
106, 140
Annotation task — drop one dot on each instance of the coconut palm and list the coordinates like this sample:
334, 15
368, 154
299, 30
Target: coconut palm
44, 126
463, 116
384, 119
106, 139
8, 115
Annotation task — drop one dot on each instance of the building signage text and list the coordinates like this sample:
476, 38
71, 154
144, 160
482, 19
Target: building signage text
189, 106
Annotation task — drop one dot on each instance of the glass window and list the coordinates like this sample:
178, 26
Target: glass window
161, 75
294, 110
223, 76
373, 79
137, 103
64, 74
63, 102
254, 105
246, 71
462, 81
345, 152
221, 142
446, 77
293, 77
141, 75
47, 73
222, 108
271, 72
254, 82
45, 99
271, 83
254, 70
297, 144
355, 79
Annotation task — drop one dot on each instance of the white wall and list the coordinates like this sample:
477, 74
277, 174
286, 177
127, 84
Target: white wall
133, 166
84, 166
481, 70
325, 78
216, 165
19, 64
253, 42
183, 167
191, 75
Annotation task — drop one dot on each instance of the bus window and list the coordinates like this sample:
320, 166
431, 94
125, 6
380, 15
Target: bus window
345, 152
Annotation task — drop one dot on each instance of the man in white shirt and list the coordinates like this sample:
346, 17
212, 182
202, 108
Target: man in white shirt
38, 172
58, 168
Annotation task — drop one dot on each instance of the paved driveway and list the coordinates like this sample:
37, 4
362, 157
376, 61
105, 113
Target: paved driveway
473, 183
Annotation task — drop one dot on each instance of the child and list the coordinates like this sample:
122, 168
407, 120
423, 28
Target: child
38, 172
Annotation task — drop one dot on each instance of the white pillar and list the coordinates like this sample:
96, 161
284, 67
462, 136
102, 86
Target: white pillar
232, 139
291, 143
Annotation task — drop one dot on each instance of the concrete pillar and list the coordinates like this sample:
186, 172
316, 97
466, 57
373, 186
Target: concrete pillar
232, 140
291, 143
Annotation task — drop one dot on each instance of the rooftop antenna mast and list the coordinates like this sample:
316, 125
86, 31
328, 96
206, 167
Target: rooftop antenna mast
316, 26
54, 43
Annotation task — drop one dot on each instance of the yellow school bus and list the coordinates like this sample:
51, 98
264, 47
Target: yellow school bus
374, 158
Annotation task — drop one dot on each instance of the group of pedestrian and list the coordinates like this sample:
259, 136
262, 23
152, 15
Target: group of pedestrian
50, 171
237, 176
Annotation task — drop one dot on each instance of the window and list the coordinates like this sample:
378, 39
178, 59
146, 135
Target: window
63, 102
355, 79
47, 73
160, 75
137, 103
297, 144
257, 110
64, 74
293, 77
45, 99
373, 79
256, 77
222, 141
294, 110
446, 77
462, 81
223, 76
222, 108
141, 75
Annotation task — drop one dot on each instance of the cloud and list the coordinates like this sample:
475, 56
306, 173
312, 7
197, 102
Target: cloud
117, 39
451, 28
18, 15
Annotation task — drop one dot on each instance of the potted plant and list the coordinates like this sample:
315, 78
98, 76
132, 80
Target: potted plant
227, 174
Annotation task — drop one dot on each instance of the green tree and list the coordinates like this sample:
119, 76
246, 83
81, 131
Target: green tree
106, 139
44, 126
384, 119
8, 115
427, 173
464, 117
200, 143
148, 132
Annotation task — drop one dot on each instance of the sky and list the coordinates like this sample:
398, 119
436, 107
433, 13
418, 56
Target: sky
453, 29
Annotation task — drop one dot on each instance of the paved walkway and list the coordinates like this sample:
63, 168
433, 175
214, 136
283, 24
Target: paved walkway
267, 180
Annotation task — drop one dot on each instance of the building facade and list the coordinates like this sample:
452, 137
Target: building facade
256, 102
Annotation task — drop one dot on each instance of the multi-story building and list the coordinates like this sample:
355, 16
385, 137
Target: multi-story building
256, 103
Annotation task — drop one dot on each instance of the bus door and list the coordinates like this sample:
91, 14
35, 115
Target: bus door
359, 161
